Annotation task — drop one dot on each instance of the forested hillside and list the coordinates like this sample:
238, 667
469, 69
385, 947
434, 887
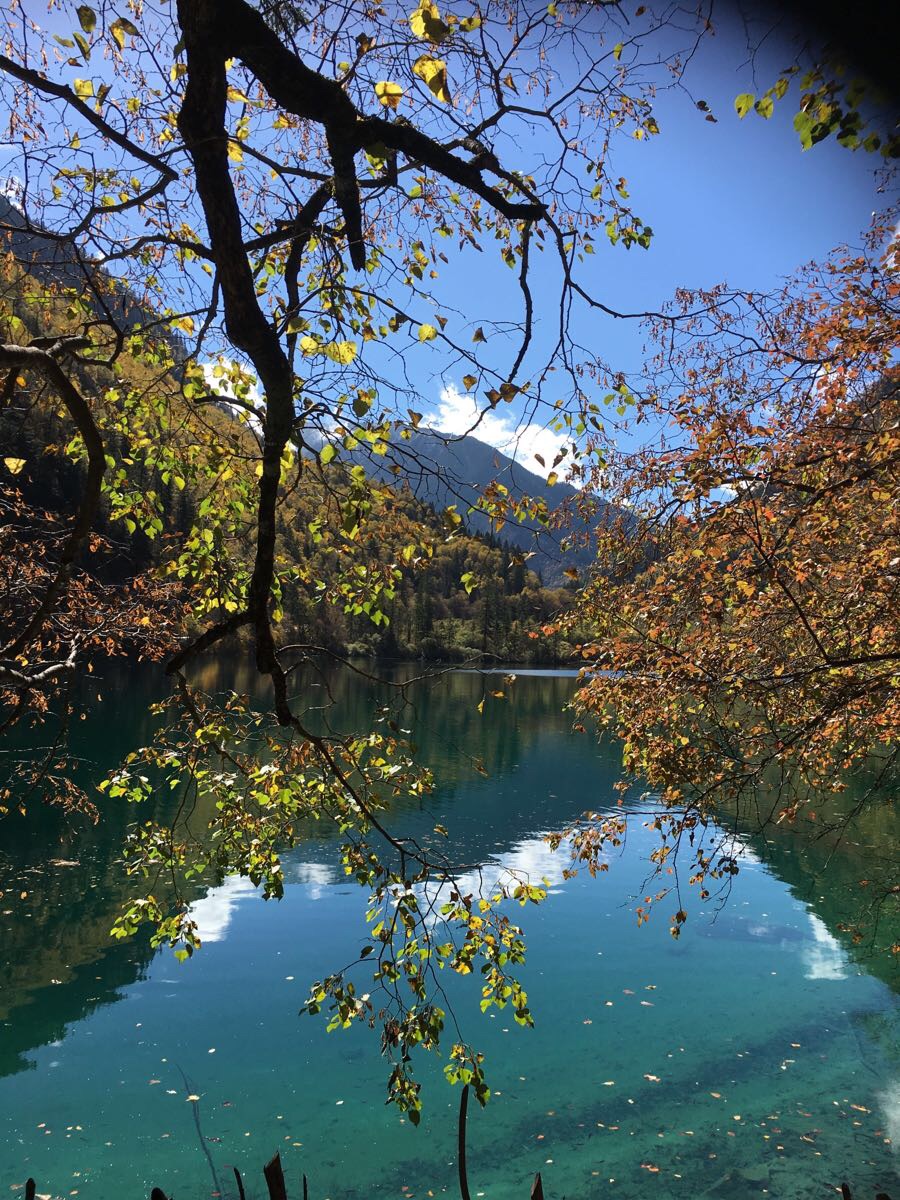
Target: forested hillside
366, 567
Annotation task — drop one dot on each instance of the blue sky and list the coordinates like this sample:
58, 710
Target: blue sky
737, 201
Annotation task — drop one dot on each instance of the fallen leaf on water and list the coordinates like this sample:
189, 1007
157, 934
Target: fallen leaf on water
609, 1083
716, 1095
653, 1078
859, 1108
647, 1003
193, 1097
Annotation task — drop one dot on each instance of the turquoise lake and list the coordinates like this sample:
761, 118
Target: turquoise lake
757, 1055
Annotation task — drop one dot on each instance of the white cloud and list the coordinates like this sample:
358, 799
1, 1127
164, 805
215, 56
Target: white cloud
458, 413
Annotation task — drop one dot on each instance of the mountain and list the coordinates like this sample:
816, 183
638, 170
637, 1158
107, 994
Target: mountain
443, 469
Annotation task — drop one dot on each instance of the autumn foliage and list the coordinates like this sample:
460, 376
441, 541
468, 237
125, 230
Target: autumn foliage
746, 623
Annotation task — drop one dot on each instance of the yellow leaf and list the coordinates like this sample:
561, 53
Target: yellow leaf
14, 465
341, 352
309, 345
426, 23
390, 94
84, 89
235, 151
433, 71
427, 333
119, 28
470, 24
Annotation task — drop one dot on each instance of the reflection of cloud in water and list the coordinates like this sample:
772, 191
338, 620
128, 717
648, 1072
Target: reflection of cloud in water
824, 957
213, 911
889, 1103
529, 861
316, 877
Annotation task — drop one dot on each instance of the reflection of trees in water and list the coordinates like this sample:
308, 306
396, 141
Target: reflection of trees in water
541, 775
824, 863
71, 868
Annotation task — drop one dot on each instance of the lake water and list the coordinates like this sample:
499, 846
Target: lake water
758, 1055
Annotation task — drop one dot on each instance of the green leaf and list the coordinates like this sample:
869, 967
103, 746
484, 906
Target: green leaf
765, 106
803, 123
744, 103
87, 18
327, 453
